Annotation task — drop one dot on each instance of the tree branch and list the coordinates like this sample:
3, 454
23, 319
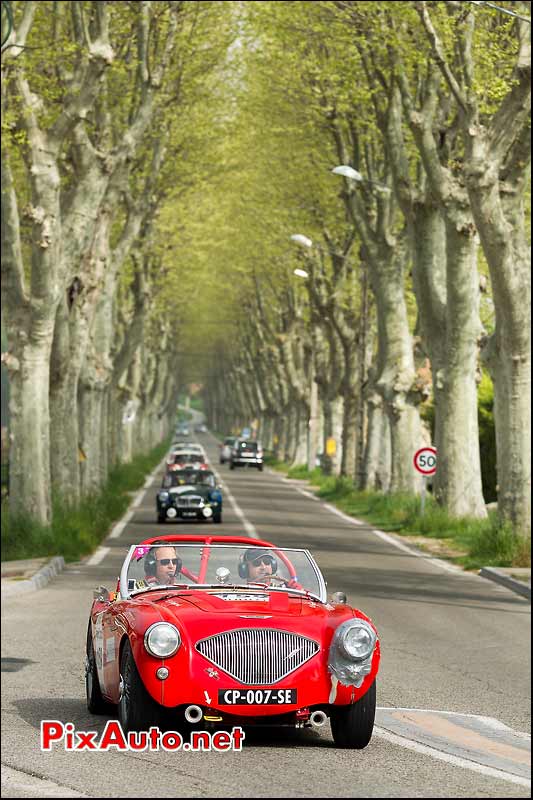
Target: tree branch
440, 57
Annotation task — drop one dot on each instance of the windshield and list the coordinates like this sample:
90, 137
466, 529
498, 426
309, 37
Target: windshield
220, 566
192, 458
251, 446
188, 478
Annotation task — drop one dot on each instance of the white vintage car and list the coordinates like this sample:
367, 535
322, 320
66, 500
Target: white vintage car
226, 447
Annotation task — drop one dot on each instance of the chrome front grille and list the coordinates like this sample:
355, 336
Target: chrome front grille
258, 656
190, 502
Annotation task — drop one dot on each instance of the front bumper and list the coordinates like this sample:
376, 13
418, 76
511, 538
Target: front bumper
193, 680
188, 513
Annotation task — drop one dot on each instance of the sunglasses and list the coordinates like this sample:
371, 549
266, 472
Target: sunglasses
265, 560
166, 561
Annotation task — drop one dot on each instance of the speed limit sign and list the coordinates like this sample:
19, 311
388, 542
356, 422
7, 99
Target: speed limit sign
425, 460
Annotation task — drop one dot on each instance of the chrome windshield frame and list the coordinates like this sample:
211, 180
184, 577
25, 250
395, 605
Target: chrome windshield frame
322, 597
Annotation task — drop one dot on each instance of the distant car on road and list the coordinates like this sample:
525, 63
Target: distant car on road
225, 448
200, 428
186, 458
189, 494
190, 447
246, 453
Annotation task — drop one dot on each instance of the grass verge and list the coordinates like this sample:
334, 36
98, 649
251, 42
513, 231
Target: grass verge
467, 542
76, 530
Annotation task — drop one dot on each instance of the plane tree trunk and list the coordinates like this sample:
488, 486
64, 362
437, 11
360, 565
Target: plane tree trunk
458, 485
30, 307
497, 165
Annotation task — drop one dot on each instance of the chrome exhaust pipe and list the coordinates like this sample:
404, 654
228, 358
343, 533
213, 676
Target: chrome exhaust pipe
193, 714
318, 719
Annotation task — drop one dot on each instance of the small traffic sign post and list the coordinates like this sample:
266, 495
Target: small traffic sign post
425, 462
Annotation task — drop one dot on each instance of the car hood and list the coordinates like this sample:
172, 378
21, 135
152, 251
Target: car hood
184, 490
199, 614
226, 601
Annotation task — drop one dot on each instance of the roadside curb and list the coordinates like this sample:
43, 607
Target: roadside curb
499, 576
37, 581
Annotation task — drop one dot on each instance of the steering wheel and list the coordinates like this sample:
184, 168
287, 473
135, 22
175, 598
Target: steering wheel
271, 578
277, 578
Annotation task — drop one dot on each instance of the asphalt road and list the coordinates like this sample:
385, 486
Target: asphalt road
454, 646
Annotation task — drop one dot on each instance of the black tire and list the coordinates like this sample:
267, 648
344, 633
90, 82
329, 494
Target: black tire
260, 467
136, 709
95, 702
231, 465
160, 518
352, 725
217, 518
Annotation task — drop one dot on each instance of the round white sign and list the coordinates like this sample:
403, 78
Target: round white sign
425, 460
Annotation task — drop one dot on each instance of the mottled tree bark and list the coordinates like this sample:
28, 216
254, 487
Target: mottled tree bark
31, 309
497, 165
458, 486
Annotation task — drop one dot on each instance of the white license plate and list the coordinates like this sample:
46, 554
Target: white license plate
256, 697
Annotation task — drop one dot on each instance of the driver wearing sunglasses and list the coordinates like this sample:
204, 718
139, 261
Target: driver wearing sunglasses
258, 566
162, 565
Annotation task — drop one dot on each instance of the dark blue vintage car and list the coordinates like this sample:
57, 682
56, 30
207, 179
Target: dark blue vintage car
189, 494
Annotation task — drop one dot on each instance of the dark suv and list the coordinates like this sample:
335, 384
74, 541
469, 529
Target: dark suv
246, 452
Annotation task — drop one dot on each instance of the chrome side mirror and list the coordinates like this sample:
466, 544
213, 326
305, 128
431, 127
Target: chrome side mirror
339, 598
222, 575
101, 594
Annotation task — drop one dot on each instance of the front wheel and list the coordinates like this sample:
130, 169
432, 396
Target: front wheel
231, 465
137, 711
217, 517
352, 725
260, 467
160, 518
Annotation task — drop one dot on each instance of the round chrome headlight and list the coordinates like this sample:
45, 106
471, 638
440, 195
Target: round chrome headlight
357, 640
162, 639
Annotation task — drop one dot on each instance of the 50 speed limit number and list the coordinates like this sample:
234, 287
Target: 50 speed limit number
425, 460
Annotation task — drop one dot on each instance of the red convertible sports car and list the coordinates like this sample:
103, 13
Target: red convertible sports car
226, 630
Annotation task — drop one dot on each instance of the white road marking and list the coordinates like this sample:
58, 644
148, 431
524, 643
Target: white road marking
490, 722
119, 527
434, 562
342, 514
250, 529
98, 556
455, 760
307, 494
139, 497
